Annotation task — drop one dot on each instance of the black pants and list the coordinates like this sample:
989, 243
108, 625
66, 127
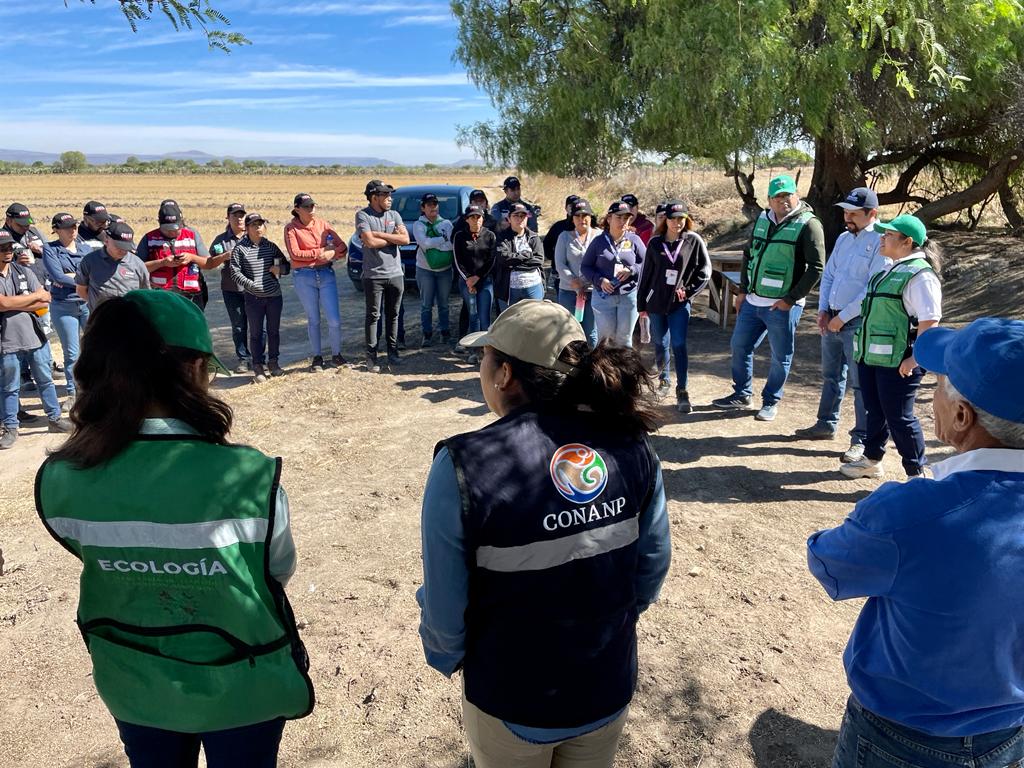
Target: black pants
234, 303
259, 309
889, 401
401, 325
252, 746
389, 292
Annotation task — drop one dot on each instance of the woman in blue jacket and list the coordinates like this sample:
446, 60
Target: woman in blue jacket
612, 265
68, 310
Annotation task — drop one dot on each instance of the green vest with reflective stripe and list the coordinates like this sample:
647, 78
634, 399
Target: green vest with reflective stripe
436, 258
773, 256
887, 331
186, 628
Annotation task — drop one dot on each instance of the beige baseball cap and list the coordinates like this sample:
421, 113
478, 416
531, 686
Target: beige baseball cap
534, 331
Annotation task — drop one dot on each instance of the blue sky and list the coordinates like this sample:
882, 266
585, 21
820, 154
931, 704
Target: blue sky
321, 78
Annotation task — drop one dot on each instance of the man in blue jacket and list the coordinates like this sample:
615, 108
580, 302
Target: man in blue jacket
934, 662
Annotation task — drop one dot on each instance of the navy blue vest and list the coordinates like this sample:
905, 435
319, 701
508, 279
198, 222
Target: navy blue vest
551, 509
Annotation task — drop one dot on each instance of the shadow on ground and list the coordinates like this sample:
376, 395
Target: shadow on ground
781, 741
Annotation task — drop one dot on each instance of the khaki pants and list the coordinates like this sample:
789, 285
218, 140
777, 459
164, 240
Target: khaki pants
494, 746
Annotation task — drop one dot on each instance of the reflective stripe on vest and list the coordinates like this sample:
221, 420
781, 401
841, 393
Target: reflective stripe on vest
773, 256
214, 534
184, 278
887, 330
549, 554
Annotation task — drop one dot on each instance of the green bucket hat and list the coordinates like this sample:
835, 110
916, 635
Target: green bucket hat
781, 184
907, 225
178, 321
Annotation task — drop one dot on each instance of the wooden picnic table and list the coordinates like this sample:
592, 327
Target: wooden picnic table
725, 283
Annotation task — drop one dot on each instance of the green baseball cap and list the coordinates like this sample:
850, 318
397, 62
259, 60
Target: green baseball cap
178, 321
780, 184
908, 225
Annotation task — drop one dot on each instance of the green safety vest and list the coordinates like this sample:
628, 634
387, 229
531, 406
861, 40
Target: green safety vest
887, 331
186, 628
436, 258
773, 257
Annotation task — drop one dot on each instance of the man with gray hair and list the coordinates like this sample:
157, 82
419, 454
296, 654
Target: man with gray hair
934, 660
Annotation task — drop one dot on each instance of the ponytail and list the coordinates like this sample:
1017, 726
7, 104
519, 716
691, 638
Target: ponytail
933, 254
608, 380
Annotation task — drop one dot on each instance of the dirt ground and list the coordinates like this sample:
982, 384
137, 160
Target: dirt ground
740, 660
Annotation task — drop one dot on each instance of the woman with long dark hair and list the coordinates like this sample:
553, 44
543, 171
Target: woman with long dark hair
677, 268
69, 311
545, 535
185, 545
612, 265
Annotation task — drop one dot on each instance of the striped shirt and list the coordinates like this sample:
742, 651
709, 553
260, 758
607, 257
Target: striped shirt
251, 263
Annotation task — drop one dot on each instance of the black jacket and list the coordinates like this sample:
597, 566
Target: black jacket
509, 260
474, 256
655, 294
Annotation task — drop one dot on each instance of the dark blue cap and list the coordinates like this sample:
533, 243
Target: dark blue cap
984, 361
861, 197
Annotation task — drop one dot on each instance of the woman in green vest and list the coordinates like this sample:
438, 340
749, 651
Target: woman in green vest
434, 271
902, 302
185, 546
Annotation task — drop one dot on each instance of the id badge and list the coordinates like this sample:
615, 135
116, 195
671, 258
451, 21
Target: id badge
671, 275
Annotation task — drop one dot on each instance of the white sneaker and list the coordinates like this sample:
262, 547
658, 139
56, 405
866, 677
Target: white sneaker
854, 453
863, 467
768, 413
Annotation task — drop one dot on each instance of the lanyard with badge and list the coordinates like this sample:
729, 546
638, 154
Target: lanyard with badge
674, 275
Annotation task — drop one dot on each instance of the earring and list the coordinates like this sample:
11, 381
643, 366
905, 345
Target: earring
497, 386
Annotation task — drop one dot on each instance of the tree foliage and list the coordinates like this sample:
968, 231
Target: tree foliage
583, 85
182, 14
71, 162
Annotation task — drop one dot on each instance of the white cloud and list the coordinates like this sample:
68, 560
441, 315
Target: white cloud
422, 20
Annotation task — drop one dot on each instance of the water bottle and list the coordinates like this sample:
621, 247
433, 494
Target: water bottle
329, 242
581, 304
645, 329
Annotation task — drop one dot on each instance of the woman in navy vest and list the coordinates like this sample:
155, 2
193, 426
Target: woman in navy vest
545, 535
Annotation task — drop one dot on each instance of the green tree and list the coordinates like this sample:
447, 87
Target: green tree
790, 157
71, 162
183, 14
895, 85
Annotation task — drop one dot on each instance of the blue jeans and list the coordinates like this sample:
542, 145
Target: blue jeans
478, 304
251, 746
753, 324
837, 370
518, 294
234, 303
318, 289
671, 326
40, 362
615, 315
869, 741
69, 318
435, 288
568, 300
889, 399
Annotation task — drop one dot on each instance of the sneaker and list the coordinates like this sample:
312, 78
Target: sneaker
394, 361
473, 358
816, 432
339, 360
372, 366
768, 412
863, 467
732, 402
446, 338
258, 374
26, 418
854, 453
8, 438
57, 367
244, 366
275, 369
664, 387
428, 341
683, 401
61, 425
317, 364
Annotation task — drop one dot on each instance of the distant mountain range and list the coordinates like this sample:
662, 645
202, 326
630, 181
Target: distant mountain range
24, 156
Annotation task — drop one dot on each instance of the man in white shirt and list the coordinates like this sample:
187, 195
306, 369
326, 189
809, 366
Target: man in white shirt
855, 258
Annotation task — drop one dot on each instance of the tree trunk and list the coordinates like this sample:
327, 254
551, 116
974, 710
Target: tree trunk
745, 189
982, 189
836, 171
1013, 215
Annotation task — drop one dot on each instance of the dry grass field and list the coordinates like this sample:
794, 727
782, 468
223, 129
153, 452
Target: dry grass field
740, 660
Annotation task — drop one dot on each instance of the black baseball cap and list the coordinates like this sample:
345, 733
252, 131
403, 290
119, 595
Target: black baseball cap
113, 218
571, 199
96, 210
518, 208
477, 193
430, 197
861, 197
253, 218
122, 236
581, 207
619, 206
474, 210
377, 187
236, 208
6, 237
19, 213
511, 182
660, 208
63, 221
303, 200
630, 199
676, 209
169, 216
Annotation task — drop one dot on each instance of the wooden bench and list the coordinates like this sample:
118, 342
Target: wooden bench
724, 286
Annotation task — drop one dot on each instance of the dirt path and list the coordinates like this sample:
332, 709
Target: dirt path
740, 659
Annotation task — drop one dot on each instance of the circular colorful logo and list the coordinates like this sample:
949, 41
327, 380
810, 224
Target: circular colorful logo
579, 473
